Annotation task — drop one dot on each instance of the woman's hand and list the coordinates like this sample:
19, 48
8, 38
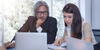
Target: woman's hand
39, 22
59, 41
9, 45
2, 48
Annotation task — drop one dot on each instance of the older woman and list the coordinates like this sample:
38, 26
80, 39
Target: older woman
41, 20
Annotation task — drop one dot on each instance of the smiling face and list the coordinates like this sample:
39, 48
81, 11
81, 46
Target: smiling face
42, 12
68, 18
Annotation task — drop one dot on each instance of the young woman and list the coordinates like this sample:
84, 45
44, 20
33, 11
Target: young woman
75, 26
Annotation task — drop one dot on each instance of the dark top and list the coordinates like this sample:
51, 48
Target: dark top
49, 26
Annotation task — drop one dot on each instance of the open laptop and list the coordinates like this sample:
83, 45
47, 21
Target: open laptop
31, 41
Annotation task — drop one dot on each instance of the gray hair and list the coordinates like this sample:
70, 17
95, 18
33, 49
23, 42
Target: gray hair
38, 4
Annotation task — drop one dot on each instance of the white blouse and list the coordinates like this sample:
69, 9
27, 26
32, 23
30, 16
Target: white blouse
68, 30
39, 29
86, 32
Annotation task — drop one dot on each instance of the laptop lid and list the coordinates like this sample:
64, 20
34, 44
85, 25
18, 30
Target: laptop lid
31, 41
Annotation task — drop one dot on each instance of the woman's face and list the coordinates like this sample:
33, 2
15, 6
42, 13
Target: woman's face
42, 12
68, 18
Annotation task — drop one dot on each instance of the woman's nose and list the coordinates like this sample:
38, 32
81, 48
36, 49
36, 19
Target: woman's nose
68, 19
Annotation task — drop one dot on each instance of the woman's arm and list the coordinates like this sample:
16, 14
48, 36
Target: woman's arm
87, 31
52, 30
60, 40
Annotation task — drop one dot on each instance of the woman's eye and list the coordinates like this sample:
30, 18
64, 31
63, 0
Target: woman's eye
64, 16
69, 16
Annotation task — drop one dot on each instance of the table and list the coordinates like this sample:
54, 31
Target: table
48, 49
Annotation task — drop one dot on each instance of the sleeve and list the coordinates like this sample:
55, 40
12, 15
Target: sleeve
52, 30
87, 30
53, 26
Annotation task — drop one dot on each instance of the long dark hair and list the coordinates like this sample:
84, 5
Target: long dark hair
76, 27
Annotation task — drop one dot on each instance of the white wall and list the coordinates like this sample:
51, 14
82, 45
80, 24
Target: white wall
96, 14
90, 11
82, 8
85, 8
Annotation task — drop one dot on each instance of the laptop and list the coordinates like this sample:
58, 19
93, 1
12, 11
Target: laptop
77, 44
31, 41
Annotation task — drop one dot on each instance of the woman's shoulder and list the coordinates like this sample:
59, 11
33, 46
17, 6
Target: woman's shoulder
52, 19
85, 23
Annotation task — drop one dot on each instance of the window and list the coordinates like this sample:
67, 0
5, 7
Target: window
56, 7
15, 13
